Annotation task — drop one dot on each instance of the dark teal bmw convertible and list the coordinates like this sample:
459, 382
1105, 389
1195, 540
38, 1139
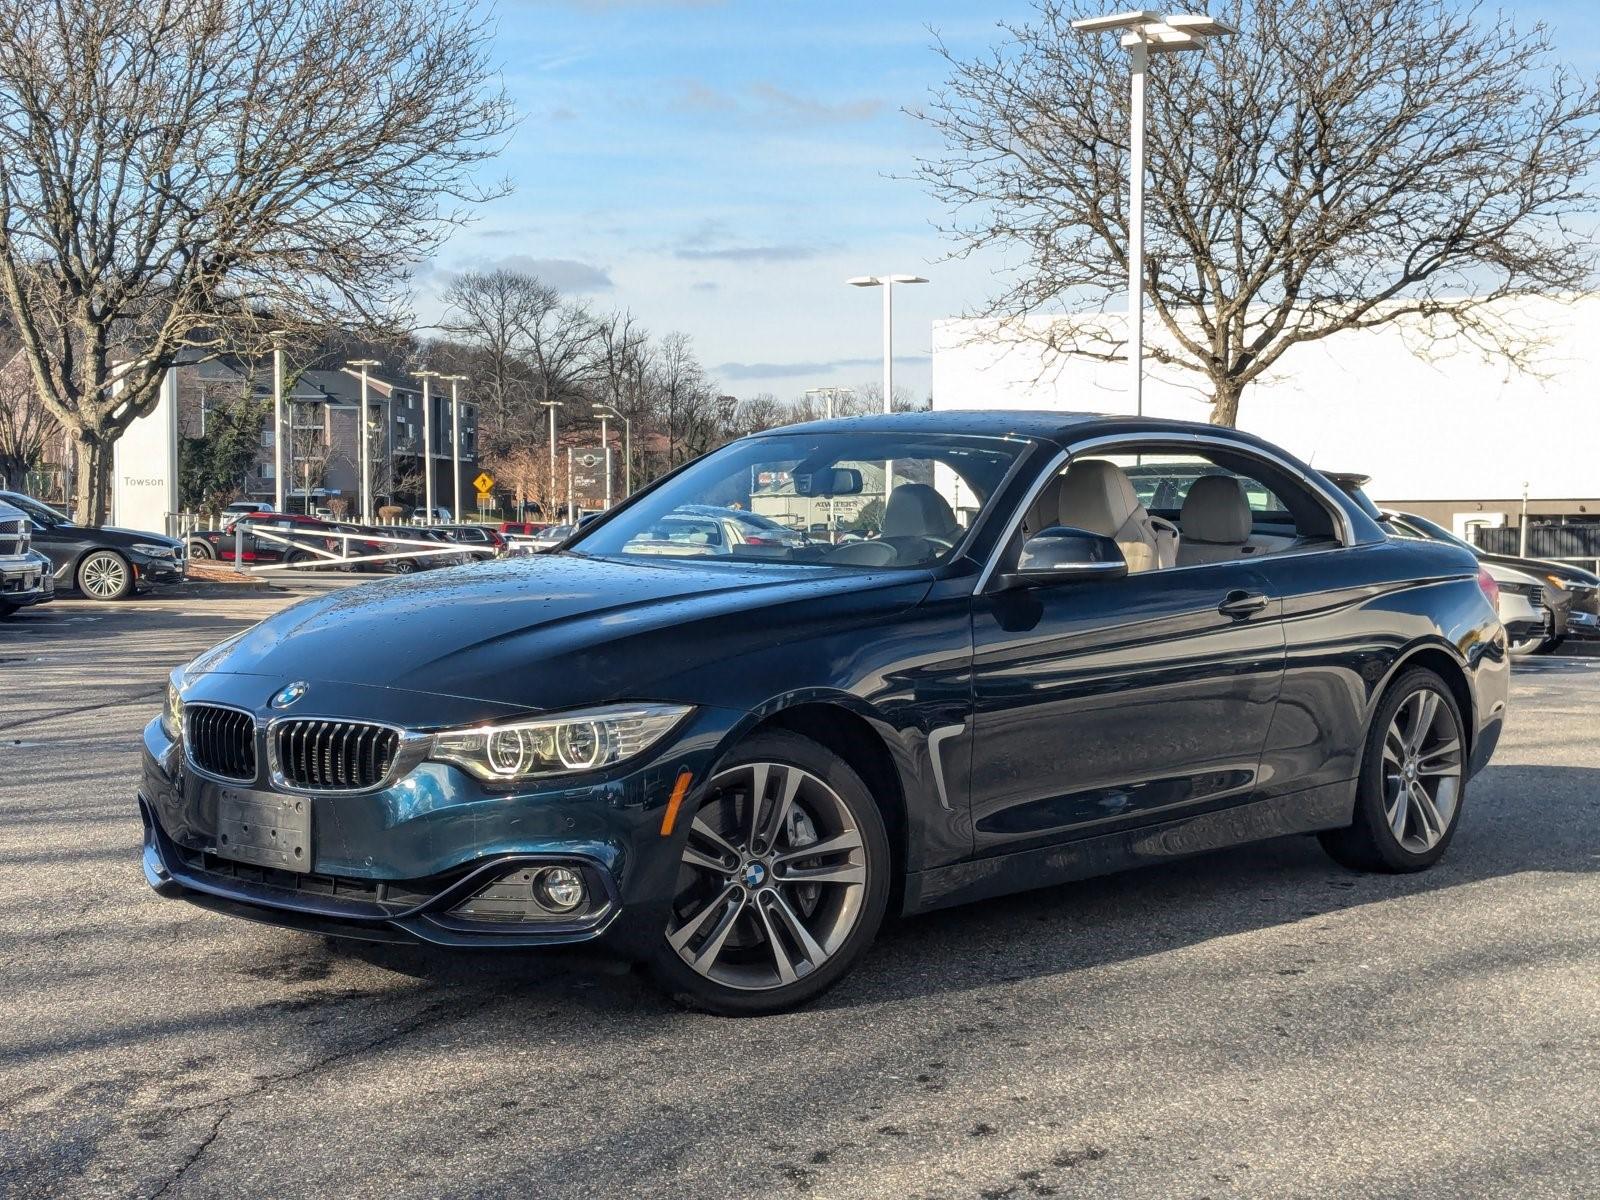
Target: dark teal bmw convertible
1003, 650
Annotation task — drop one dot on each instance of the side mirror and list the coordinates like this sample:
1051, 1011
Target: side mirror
1062, 554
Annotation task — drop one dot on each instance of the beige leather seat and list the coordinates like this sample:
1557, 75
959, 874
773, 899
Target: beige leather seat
1096, 495
1215, 520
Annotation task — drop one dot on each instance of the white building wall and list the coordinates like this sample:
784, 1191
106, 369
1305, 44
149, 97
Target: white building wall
1449, 427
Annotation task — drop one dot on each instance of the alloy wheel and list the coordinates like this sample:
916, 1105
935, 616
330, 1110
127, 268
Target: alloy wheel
103, 576
772, 880
1422, 768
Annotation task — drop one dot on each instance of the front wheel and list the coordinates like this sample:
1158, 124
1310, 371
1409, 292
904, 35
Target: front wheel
783, 883
1534, 644
1413, 781
105, 575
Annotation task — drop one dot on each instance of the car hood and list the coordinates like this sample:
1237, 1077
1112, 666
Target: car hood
111, 535
556, 631
1542, 567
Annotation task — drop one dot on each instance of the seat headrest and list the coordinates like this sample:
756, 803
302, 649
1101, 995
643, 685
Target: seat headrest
1097, 496
1216, 511
917, 510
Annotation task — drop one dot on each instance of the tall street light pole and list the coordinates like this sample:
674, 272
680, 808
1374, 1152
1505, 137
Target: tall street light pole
277, 423
427, 378
602, 411
363, 364
455, 442
887, 282
550, 406
1145, 33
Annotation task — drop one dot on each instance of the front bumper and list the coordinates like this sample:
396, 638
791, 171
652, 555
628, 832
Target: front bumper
397, 864
26, 581
160, 570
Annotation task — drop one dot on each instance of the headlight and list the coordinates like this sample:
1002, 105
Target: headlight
582, 741
150, 551
172, 714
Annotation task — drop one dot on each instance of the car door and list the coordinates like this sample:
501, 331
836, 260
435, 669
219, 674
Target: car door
1100, 704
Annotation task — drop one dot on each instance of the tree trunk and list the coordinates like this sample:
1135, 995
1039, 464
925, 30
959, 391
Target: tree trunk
91, 479
1225, 395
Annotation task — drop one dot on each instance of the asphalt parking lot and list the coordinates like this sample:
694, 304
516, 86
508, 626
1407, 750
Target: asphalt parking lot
1255, 1023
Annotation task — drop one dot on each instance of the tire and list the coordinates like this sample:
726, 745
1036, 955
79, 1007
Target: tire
1530, 645
201, 549
296, 557
798, 922
6, 610
105, 575
403, 566
1394, 830
1550, 645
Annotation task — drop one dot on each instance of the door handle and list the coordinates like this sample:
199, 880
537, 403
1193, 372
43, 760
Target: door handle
1240, 603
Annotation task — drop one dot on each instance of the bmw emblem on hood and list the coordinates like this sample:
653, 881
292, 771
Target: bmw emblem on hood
287, 696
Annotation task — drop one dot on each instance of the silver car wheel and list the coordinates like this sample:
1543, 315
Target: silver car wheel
772, 879
103, 575
1422, 768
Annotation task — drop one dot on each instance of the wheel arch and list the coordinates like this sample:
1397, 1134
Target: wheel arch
849, 733
1448, 667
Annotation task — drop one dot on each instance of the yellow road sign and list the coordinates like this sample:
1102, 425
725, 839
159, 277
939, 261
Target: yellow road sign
484, 482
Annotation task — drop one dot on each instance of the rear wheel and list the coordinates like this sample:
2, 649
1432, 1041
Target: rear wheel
1533, 644
105, 575
783, 883
201, 549
1413, 781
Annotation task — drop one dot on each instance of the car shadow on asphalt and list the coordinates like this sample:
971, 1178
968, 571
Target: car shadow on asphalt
1092, 923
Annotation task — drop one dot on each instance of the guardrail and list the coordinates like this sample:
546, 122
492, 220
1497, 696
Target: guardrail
328, 558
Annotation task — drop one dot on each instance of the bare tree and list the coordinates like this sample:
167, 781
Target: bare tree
1336, 166
169, 171
25, 427
489, 310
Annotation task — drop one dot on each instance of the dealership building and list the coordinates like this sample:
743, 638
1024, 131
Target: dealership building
1453, 433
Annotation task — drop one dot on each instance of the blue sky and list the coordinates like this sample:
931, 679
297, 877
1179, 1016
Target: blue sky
721, 168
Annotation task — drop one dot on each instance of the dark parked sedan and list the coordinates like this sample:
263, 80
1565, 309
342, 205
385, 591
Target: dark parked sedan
733, 766
98, 561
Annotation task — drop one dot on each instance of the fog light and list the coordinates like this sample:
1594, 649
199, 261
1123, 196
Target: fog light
559, 889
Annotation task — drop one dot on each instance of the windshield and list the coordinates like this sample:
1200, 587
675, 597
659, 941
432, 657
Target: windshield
1429, 529
817, 498
42, 514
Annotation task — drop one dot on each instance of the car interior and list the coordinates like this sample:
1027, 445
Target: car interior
1182, 509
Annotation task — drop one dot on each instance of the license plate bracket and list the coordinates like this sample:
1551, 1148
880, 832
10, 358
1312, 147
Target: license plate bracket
264, 829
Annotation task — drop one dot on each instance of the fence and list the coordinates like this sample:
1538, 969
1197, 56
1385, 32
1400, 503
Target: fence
1575, 543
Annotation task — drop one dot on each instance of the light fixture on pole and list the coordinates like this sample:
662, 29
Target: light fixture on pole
602, 411
427, 378
551, 406
363, 364
1145, 33
455, 442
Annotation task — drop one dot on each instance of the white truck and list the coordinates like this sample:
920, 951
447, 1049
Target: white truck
25, 575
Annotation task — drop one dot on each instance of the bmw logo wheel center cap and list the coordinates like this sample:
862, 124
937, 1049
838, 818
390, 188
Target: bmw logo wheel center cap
755, 874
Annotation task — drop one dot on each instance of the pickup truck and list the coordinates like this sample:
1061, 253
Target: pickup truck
25, 575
